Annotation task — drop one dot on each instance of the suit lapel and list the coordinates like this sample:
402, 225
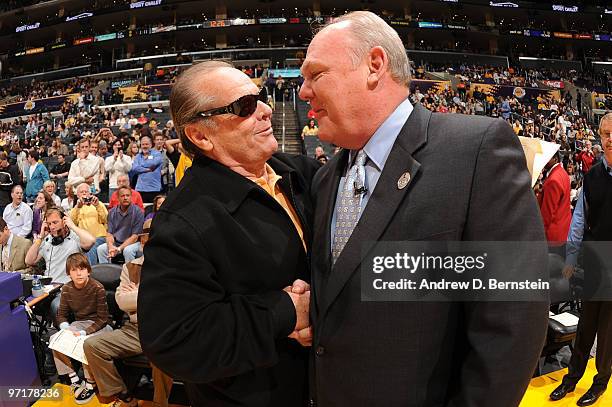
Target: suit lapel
382, 205
14, 248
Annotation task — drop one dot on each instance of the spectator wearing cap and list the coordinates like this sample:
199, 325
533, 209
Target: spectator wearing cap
36, 174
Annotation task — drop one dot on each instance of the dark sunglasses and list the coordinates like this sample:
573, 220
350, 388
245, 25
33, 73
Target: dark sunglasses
243, 107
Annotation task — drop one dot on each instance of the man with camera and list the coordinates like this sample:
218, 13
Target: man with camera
91, 215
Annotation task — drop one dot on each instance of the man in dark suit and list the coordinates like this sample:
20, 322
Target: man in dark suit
409, 174
215, 307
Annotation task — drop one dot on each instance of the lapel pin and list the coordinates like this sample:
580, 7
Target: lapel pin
403, 180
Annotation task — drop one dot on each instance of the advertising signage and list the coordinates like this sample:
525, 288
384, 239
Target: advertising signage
27, 27
35, 50
80, 41
429, 24
277, 20
566, 9
503, 4
105, 37
79, 16
142, 4
57, 46
562, 35
583, 36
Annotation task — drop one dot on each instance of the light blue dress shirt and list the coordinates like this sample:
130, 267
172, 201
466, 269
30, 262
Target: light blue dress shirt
377, 149
148, 181
576, 232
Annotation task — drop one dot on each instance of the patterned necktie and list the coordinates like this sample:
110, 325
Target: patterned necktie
349, 205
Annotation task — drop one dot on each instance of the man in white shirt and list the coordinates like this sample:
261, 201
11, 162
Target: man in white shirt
87, 168
18, 215
116, 165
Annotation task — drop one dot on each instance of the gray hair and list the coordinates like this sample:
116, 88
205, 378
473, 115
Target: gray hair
186, 100
368, 31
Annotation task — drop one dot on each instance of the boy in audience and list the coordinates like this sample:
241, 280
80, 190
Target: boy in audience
102, 349
85, 298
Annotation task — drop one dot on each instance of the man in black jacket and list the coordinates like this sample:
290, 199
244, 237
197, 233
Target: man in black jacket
224, 278
9, 177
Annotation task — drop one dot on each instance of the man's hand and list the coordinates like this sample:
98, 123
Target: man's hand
568, 271
112, 251
298, 287
68, 221
94, 200
76, 333
301, 302
44, 230
303, 336
89, 180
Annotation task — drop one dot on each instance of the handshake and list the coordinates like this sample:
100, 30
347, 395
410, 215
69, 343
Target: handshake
300, 295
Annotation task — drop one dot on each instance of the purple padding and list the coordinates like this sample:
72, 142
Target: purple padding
17, 361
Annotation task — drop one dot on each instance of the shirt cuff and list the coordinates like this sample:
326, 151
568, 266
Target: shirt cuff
64, 325
83, 333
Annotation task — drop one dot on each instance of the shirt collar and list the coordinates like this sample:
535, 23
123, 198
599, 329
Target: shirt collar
380, 144
606, 164
9, 241
270, 183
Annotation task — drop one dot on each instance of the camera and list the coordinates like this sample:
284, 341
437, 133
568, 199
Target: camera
87, 201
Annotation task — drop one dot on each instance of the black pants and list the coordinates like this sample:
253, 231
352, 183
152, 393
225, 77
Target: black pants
147, 197
596, 318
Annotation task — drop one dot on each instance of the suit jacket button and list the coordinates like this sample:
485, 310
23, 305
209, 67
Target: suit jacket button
320, 351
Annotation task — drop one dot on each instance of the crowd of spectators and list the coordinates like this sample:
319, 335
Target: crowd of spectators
514, 76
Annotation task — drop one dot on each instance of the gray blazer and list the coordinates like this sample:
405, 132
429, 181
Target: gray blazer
469, 181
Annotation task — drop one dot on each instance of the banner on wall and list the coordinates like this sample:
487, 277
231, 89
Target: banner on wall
32, 106
554, 84
520, 92
425, 85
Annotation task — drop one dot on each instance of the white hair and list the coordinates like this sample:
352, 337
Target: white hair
368, 31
